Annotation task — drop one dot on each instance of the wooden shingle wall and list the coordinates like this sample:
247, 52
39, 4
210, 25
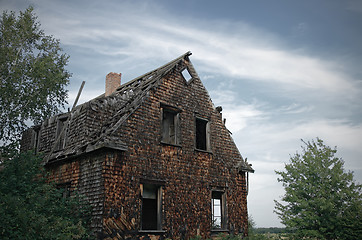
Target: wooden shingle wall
187, 176
84, 175
110, 179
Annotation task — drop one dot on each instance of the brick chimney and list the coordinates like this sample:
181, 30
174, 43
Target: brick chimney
113, 81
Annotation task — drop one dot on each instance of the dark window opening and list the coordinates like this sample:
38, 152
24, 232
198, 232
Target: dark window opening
65, 189
35, 138
218, 210
201, 134
61, 133
170, 127
151, 207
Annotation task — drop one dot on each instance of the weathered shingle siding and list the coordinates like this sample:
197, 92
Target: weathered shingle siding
83, 124
47, 135
189, 175
91, 185
27, 140
85, 177
110, 179
77, 126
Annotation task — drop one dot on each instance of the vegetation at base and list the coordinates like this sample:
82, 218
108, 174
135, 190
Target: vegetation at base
221, 236
259, 233
272, 233
254, 236
271, 230
322, 200
33, 208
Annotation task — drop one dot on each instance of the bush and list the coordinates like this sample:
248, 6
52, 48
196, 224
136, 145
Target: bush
33, 208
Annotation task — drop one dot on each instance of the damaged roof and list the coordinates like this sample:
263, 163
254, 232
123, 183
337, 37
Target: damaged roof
122, 103
118, 107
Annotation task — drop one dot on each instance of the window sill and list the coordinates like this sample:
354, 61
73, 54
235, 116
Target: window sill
171, 144
151, 231
219, 230
203, 151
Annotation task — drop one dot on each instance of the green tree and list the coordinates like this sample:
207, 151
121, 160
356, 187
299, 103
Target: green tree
33, 208
32, 72
321, 200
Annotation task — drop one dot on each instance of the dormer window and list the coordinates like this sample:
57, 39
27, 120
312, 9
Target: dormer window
61, 132
35, 138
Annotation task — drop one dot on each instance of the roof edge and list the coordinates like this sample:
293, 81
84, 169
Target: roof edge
188, 53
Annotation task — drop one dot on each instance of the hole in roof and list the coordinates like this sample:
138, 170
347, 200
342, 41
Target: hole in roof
186, 74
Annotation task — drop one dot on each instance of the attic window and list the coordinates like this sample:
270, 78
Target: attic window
202, 134
61, 133
170, 126
186, 74
35, 138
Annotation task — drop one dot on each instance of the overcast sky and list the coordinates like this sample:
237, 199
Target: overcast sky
282, 70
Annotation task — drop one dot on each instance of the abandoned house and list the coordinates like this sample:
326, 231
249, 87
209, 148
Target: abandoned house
152, 156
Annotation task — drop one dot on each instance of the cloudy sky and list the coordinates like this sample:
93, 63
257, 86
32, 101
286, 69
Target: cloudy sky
282, 70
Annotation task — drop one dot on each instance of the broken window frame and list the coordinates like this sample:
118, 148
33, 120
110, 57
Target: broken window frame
61, 124
156, 201
65, 189
219, 197
170, 125
35, 138
202, 134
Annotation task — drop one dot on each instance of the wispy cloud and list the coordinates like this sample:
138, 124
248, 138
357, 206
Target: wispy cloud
273, 141
138, 36
246, 53
258, 57
295, 108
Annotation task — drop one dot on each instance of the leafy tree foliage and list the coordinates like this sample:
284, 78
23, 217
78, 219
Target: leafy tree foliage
33, 80
322, 200
33, 208
32, 72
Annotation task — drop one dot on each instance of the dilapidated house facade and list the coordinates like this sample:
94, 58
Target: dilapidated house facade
152, 156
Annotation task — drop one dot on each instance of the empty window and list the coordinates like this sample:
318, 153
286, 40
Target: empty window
61, 133
186, 74
202, 134
35, 138
151, 207
218, 209
170, 129
65, 189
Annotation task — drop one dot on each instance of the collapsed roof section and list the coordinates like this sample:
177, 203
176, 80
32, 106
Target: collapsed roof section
120, 105
104, 115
